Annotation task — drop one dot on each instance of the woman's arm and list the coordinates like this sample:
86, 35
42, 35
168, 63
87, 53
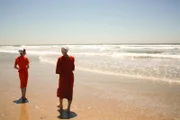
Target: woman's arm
27, 63
15, 65
58, 66
73, 65
27, 66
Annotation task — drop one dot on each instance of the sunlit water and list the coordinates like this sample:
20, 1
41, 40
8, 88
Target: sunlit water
155, 62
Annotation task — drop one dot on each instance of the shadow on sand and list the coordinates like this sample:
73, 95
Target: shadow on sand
20, 101
64, 114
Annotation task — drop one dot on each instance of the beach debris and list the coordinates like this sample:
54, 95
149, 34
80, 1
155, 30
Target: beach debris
42, 117
37, 107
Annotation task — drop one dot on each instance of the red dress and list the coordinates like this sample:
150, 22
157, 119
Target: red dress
65, 67
22, 62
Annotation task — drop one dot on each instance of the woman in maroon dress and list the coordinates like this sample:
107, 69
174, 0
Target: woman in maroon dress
65, 67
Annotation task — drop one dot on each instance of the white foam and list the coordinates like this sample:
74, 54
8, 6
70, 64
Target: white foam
117, 74
41, 59
32, 52
144, 55
132, 76
103, 51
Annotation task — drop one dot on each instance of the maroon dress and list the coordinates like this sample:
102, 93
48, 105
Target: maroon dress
65, 67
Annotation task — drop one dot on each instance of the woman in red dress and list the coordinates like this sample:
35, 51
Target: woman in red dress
22, 65
65, 67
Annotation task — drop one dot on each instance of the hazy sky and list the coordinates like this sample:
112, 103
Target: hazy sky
89, 21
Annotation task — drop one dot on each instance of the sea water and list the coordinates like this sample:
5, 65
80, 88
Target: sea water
154, 62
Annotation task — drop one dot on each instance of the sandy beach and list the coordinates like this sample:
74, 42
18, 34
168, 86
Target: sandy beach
97, 96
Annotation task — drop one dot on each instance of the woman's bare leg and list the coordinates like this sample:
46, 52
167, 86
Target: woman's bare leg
24, 92
69, 105
60, 103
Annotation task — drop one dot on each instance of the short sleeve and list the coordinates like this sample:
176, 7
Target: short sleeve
27, 60
16, 61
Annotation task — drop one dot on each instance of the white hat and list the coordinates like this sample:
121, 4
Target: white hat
65, 49
21, 50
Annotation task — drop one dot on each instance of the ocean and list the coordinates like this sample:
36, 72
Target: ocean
159, 62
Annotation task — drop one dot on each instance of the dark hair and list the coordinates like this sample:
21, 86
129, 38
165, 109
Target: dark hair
24, 51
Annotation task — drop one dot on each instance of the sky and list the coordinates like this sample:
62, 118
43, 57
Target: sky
89, 21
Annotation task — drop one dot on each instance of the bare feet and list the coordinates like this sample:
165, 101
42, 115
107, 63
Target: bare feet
23, 99
68, 109
60, 106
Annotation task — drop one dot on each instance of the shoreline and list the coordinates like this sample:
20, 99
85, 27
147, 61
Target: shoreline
158, 80
96, 96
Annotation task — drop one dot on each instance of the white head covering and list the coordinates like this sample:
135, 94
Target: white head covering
65, 49
21, 50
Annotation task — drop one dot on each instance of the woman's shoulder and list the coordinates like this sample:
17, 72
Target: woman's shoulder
19, 57
71, 57
25, 57
60, 58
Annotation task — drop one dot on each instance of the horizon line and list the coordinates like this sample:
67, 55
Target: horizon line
95, 44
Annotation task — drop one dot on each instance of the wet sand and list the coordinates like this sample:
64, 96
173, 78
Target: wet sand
96, 96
